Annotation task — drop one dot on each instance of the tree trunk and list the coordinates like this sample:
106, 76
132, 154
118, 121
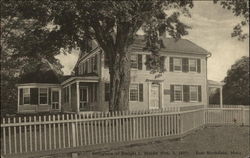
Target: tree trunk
119, 81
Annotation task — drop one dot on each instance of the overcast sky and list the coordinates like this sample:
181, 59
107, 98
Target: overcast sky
211, 29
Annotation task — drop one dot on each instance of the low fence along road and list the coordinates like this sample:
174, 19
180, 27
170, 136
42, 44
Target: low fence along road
54, 132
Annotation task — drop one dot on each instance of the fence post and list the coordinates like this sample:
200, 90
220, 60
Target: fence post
73, 127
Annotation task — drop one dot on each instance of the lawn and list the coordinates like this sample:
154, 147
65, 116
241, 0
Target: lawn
210, 142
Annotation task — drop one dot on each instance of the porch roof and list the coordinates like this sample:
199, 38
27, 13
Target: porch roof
80, 79
215, 84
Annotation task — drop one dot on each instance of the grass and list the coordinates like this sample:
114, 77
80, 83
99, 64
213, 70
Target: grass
211, 142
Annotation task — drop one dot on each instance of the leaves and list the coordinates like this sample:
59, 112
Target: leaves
236, 88
239, 8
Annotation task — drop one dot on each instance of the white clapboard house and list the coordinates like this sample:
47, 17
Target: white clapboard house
184, 83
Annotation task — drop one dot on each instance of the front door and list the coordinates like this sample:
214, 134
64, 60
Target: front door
55, 99
155, 97
83, 98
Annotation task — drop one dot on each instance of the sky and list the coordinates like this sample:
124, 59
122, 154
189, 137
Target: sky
211, 29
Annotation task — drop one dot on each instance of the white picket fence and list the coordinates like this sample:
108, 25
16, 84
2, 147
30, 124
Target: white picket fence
43, 133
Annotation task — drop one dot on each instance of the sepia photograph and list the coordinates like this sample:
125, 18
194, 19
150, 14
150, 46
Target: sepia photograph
125, 79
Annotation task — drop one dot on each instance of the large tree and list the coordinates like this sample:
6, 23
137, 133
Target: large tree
236, 88
240, 8
65, 25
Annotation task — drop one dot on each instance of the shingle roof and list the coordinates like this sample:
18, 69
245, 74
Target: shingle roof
40, 77
171, 45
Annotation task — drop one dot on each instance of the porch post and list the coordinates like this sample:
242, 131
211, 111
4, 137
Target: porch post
18, 98
70, 95
161, 94
77, 97
221, 98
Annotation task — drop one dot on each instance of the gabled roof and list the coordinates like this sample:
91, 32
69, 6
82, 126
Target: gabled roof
171, 45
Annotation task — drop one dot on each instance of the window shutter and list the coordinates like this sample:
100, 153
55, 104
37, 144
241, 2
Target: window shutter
90, 93
49, 95
96, 92
21, 97
162, 63
199, 93
147, 60
106, 91
186, 93
87, 67
171, 64
185, 65
95, 64
83, 68
198, 65
171, 93
141, 92
139, 62
34, 96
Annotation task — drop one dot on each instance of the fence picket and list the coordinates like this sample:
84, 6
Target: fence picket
30, 131
35, 136
15, 139
40, 133
45, 133
25, 136
59, 132
4, 138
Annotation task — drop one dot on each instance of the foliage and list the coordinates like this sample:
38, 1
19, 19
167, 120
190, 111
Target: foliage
50, 26
236, 88
239, 8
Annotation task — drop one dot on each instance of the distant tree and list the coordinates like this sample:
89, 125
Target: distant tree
50, 26
236, 88
239, 8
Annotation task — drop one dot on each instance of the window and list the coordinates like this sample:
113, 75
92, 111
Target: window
193, 93
26, 96
192, 65
177, 64
134, 92
66, 94
177, 93
43, 96
55, 99
134, 61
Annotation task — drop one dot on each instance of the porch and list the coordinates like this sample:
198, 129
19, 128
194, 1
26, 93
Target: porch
80, 94
214, 86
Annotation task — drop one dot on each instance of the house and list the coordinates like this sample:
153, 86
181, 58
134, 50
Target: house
184, 83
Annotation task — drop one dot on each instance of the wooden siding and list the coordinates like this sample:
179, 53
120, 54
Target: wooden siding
166, 79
